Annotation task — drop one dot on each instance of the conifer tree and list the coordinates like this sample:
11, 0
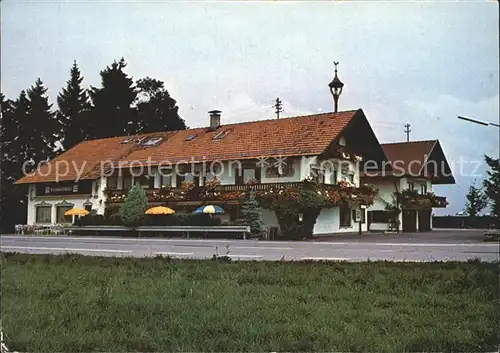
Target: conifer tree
136, 203
476, 201
39, 127
492, 184
252, 213
157, 110
74, 107
112, 113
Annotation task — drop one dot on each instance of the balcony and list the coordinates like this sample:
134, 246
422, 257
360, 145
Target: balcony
412, 199
214, 192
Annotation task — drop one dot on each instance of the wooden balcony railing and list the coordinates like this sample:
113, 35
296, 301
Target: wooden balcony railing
212, 193
412, 199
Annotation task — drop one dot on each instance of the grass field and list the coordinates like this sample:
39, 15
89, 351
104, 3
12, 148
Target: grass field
74, 303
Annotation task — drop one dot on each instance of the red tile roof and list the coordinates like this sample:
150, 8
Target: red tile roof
304, 135
410, 156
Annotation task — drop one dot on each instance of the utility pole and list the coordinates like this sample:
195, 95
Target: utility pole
279, 107
407, 132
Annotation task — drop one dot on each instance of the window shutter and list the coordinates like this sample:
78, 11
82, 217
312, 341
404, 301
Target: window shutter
258, 173
239, 177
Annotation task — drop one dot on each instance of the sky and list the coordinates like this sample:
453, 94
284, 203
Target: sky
422, 63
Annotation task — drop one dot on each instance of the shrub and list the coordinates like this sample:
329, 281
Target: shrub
162, 220
200, 219
132, 211
90, 220
114, 220
111, 211
252, 212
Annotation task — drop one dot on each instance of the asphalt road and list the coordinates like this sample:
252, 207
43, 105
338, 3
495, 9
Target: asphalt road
425, 247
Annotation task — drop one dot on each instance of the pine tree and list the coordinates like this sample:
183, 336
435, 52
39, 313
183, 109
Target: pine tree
12, 197
476, 201
8, 129
112, 113
136, 203
252, 213
20, 111
157, 110
40, 125
74, 106
492, 184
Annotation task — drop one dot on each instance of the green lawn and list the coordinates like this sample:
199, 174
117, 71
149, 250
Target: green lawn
74, 303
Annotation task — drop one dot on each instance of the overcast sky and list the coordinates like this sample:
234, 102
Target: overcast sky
417, 62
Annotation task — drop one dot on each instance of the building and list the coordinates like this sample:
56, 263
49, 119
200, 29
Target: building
415, 167
217, 164
96, 174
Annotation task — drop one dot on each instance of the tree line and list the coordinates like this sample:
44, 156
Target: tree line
32, 129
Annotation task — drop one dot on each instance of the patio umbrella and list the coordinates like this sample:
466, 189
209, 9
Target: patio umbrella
76, 212
209, 209
160, 210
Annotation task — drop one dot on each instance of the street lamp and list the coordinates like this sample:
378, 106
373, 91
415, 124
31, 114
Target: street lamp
485, 123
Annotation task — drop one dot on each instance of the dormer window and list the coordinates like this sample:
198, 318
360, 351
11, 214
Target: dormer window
221, 135
191, 137
152, 142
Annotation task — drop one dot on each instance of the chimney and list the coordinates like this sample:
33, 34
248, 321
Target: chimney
214, 119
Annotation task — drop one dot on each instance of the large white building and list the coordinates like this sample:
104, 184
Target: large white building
273, 153
215, 164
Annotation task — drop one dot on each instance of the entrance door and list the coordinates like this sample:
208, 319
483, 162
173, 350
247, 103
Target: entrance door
409, 220
424, 220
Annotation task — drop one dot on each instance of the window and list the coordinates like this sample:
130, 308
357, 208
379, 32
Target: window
378, 216
318, 174
411, 186
423, 189
144, 181
348, 177
127, 182
166, 180
345, 216
60, 217
112, 182
333, 177
188, 177
246, 174
44, 214
221, 135
191, 137
152, 142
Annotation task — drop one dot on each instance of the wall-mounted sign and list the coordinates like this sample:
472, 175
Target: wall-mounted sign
64, 188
